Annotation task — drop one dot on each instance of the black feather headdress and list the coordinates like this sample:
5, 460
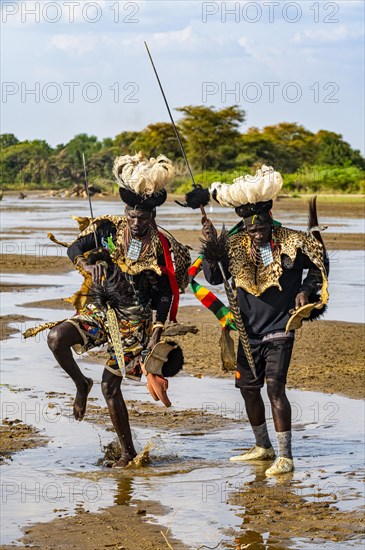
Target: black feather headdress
215, 249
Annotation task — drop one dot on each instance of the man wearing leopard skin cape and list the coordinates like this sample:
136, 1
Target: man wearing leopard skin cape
266, 263
126, 262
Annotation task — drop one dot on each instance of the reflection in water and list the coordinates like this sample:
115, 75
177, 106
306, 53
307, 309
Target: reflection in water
261, 504
210, 499
124, 490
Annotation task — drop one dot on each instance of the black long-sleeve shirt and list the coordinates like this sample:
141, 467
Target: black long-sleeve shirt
270, 312
151, 288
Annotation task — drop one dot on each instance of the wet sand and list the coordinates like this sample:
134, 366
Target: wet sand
16, 436
334, 366
122, 527
332, 204
26, 263
119, 527
6, 321
189, 421
282, 511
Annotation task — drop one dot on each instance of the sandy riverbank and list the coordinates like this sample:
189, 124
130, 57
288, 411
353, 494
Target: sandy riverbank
328, 357
16, 436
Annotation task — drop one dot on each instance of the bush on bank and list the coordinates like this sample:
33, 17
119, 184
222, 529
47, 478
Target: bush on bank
215, 145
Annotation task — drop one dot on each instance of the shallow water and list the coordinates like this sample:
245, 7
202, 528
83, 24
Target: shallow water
190, 474
198, 481
32, 218
346, 287
347, 273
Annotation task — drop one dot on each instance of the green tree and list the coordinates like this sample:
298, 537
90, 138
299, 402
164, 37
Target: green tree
68, 160
15, 160
212, 135
158, 138
123, 142
101, 163
256, 150
333, 150
7, 140
286, 146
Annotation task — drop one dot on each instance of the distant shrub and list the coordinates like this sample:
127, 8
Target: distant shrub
326, 179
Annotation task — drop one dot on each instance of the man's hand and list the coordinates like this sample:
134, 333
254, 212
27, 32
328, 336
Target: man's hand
97, 271
208, 229
301, 300
155, 338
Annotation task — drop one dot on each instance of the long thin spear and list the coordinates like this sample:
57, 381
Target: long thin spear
88, 196
229, 292
174, 125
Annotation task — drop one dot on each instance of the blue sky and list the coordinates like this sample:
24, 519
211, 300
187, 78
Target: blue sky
89, 71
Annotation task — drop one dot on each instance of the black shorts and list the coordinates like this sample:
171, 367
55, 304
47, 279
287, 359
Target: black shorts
272, 359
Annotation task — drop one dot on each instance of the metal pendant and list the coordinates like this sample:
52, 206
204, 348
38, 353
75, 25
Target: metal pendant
266, 254
134, 249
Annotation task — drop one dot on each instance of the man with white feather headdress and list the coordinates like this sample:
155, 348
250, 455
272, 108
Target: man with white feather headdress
266, 263
133, 273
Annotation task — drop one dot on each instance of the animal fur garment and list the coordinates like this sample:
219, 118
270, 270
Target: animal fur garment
196, 198
142, 202
265, 185
115, 291
142, 176
249, 210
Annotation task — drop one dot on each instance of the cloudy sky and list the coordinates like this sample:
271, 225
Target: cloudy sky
78, 66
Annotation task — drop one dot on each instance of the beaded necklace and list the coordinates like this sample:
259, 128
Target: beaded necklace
135, 249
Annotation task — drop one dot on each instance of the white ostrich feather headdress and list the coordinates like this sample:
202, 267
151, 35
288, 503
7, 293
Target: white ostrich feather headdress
141, 175
265, 185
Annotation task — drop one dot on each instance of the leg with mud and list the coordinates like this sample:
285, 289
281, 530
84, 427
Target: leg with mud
60, 340
255, 409
281, 412
110, 386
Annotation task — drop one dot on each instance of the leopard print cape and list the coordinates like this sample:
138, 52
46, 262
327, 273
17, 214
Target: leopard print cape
181, 253
257, 279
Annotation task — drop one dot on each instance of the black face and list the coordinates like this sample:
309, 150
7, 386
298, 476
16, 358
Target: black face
138, 221
259, 233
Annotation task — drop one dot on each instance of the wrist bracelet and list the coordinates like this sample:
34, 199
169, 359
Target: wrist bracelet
158, 325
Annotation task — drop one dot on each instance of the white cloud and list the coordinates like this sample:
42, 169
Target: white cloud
181, 40
323, 36
248, 46
184, 36
74, 44
261, 53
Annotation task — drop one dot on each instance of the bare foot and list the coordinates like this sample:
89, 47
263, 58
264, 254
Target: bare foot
124, 460
81, 400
